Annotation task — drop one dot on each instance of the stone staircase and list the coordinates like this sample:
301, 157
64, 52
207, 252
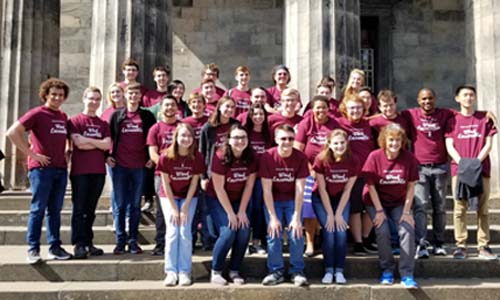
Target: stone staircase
140, 276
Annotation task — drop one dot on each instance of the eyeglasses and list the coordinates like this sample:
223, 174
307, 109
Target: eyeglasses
286, 139
240, 137
355, 107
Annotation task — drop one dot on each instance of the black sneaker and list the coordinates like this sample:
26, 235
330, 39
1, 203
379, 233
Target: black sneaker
460, 253
58, 252
33, 257
94, 251
369, 247
159, 250
358, 249
80, 252
134, 248
119, 249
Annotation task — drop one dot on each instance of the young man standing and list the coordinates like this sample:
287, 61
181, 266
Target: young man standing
468, 141
90, 136
288, 115
211, 72
242, 92
129, 128
161, 76
47, 165
283, 171
130, 71
160, 138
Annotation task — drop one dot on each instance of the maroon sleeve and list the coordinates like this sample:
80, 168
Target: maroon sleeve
318, 166
199, 164
151, 139
413, 176
264, 166
217, 166
369, 172
163, 163
28, 120
72, 127
303, 168
302, 129
450, 127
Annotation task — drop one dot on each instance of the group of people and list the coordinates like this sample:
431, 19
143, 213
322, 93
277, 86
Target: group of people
249, 165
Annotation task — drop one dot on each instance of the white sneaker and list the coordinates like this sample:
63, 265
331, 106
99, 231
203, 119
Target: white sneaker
259, 249
440, 250
217, 278
339, 278
327, 278
185, 279
421, 252
171, 279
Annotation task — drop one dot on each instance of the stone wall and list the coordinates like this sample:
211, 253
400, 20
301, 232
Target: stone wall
428, 39
74, 64
228, 33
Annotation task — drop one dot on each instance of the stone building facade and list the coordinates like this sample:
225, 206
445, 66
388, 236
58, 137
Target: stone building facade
405, 44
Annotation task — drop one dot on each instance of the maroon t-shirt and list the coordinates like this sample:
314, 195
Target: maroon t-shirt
235, 176
180, 171
88, 161
313, 135
275, 120
106, 114
161, 135
48, 135
469, 137
196, 124
427, 134
221, 134
242, 100
390, 177
152, 97
242, 118
283, 172
210, 108
219, 92
361, 140
131, 152
381, 121
336, 174
258, 143
274, 97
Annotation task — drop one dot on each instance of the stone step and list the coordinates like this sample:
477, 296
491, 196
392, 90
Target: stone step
464, 289
129, 267
16, 235
105, 218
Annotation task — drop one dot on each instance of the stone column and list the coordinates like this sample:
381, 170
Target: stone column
129, 28
483, 58
322, 37
29, 54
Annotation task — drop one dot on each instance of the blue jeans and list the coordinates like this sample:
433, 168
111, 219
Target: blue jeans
48, 186
257, 219
237, 240
284, 212
431, 186
335, 242
127, 186
178, 239
406, 234
208, 233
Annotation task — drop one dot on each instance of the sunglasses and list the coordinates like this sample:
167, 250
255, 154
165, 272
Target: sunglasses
287, 139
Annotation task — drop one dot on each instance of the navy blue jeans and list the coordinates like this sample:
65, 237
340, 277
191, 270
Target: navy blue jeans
48, 186
127, 186
257, 219
237, 240
334, 242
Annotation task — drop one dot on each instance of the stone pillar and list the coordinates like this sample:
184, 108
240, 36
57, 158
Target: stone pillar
483, 58
29, 54
322, 37
129, 28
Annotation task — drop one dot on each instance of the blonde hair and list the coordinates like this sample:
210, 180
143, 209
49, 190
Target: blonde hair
352, 98
392, 130
172, 152
349, 91
111, 86
327, 155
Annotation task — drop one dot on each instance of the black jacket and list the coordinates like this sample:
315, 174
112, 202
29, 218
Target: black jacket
147, 118
207, 144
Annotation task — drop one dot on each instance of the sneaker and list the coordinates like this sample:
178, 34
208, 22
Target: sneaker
387, 278
94, 251
57, 252
486, 253
409, 283
148, 206
273, 278
236, 277
33, 257
134, 248
359, 250
217, 278
369, 246
309, 253
119, 249
339, 278
171, 279
259, 249
439, 250
460, 253
327, 278
422, 252
185, 279
250, 250
80, 252
299, 279
159, 250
